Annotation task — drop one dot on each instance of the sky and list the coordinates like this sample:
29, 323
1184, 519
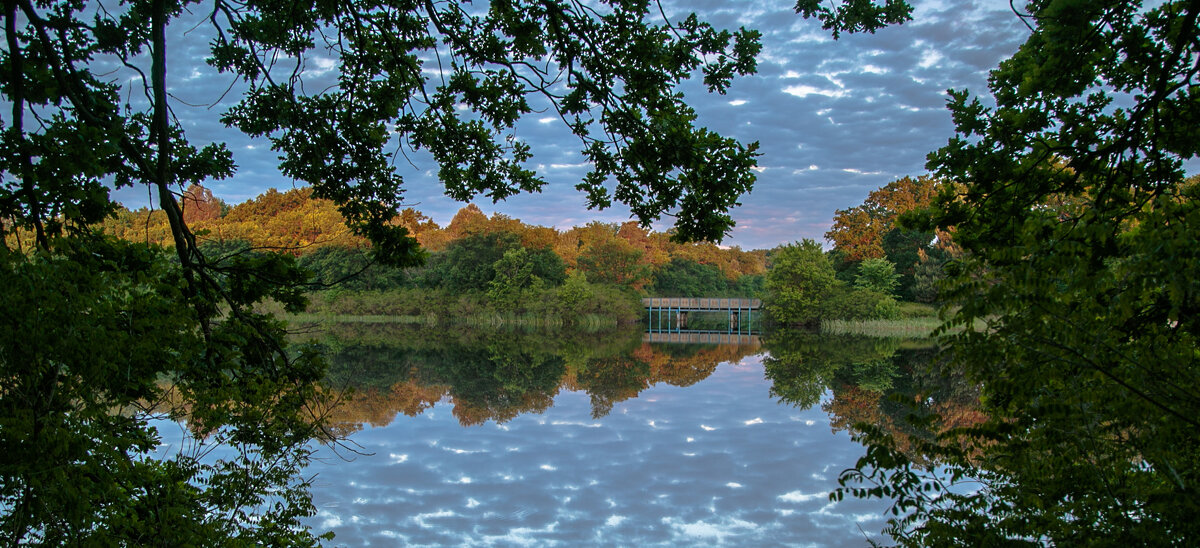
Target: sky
834, 119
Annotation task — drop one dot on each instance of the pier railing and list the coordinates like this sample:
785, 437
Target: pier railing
675, 312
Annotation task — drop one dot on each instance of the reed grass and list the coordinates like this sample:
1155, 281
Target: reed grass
913, 328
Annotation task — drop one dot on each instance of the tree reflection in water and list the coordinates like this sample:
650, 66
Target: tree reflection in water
500, 374
896, 387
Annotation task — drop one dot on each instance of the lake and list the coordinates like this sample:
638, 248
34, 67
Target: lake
509, 439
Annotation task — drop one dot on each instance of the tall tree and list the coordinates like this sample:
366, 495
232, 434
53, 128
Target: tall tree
799, 282
859, 232
614, 261
877, 275
1077, 296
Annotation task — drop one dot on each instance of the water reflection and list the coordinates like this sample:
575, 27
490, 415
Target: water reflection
498, 375
608, 439
899, 387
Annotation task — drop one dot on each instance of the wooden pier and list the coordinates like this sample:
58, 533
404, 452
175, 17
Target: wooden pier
676, 310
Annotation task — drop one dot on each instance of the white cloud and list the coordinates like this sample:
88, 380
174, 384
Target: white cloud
462, 451
569, 166
576, 423
330, 520
930, 58
318, 66
705, 530
738, 102
806, 90
797, 496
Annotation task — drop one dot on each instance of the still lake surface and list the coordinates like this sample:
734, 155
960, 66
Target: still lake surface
512, 439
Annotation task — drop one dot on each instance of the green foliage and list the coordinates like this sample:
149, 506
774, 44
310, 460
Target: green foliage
548, 266
568, 304
798, 282
95, 326
614, 261
514, 275
469, 262
575, 291
354, 269
904, 248
877, 275
749, 286
1078, 225
686, 278
926, 278
802, 290
855, 15
850, 303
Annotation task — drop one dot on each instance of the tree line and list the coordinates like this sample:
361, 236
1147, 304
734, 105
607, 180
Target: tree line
497, 255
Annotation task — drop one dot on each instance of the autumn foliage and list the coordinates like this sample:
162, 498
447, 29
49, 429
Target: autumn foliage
295, 222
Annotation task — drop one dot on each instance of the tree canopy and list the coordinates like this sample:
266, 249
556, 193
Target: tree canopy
1076, 295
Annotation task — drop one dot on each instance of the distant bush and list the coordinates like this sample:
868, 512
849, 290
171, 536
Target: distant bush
846, 303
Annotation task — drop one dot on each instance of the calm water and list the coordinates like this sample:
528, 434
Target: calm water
508, 439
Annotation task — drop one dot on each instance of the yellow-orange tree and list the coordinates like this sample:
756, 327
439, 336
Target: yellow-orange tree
859, 231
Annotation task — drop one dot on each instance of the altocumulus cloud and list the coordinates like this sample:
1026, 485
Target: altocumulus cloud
865, 108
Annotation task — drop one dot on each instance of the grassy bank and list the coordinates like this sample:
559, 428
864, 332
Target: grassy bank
914, 320
595, 307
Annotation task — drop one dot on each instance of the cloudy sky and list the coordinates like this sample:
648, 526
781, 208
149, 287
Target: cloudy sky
835, 119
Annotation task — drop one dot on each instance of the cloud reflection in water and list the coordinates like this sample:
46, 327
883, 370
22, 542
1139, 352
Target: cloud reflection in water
716, 462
